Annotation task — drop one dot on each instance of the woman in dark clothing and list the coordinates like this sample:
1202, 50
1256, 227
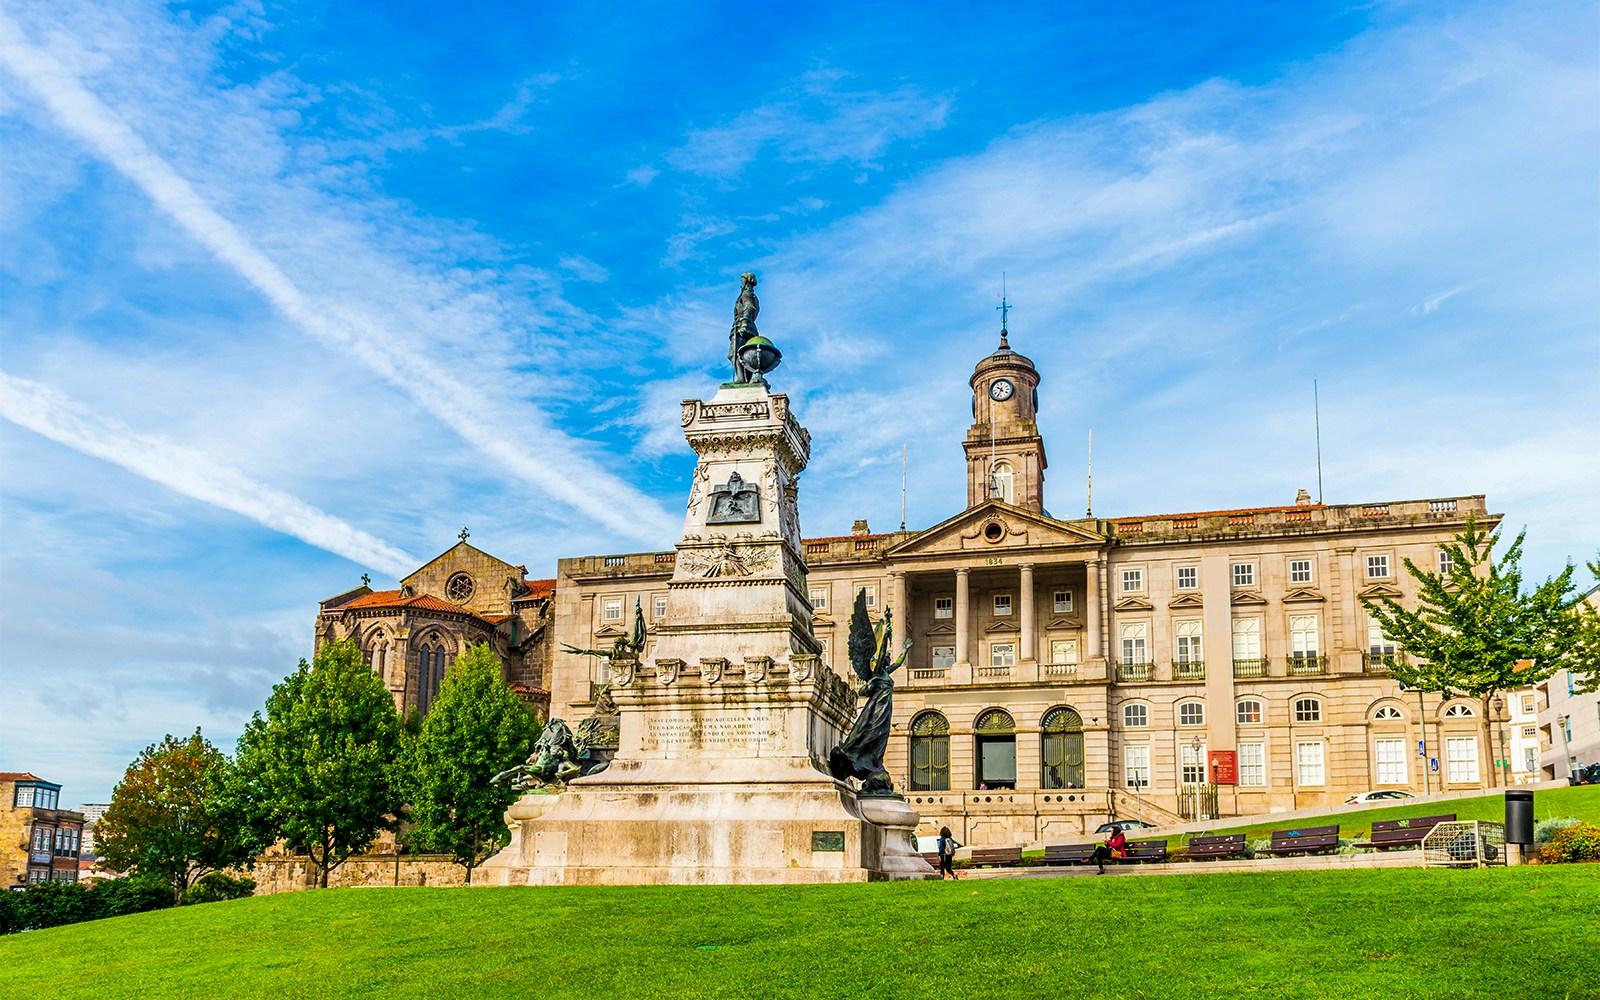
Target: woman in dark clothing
947, 853
1116, 846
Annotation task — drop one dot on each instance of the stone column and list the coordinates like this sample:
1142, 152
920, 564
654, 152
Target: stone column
963, 622
900, 596
1091, 608
1025, 654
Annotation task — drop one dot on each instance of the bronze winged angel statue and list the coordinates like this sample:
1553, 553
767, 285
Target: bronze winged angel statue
860, 755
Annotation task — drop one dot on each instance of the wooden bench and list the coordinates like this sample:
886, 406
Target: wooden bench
1306, 840
1225, 845
998, 856
931, 857
1390, 833
1147, 850
1068, 854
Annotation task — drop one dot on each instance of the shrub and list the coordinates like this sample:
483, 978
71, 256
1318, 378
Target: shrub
1547, 828
216, 887
134, 894
1348, 846
1574, 843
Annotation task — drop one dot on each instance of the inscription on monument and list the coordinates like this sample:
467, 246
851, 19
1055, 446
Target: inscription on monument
745, 731
827, 840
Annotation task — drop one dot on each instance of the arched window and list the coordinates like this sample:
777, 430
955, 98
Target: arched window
1135, 716
1248, 712
1387, 713
1192, 713
1002, 483
996, 736
930, 753
1062, 749
1307, 710
1459, 712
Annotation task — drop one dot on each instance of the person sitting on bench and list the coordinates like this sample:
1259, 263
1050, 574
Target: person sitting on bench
1116, 846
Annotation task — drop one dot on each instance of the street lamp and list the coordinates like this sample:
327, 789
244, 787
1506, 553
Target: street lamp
1499, 705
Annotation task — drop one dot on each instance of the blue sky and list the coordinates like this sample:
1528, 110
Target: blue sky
290, 294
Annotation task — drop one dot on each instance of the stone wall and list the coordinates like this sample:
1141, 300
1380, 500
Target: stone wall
286, 874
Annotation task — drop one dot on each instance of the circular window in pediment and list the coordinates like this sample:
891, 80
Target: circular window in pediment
993, 531
459, 588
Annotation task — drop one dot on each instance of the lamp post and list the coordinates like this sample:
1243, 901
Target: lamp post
1499, 705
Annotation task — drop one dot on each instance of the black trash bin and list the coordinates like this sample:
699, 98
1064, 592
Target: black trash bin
1519, 816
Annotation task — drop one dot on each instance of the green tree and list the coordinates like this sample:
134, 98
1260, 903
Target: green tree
1474, 622
318, 770
169, 816
1584, 657
476, 728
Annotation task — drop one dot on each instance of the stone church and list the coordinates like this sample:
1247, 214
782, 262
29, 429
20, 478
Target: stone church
1066, 670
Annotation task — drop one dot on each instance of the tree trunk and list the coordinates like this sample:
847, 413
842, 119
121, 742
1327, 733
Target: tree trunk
1488, 741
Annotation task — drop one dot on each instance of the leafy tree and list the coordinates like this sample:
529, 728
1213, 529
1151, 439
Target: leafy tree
476, 728
317, 772
1474, 622
1584, 657
169, 818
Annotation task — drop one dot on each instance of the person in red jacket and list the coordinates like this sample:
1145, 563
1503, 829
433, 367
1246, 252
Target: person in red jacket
1116, 846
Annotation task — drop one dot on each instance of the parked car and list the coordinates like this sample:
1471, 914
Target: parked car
1124, 825
1588, 774
1379, 796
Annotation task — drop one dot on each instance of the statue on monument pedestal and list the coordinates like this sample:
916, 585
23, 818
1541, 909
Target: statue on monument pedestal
752, 354
860, 755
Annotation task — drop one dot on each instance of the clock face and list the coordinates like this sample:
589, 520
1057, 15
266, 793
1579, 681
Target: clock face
1001, 390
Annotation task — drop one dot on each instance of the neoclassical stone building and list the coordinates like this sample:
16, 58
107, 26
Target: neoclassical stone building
463, 597
1067, 670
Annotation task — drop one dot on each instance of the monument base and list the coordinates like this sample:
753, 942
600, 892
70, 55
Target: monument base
807, 830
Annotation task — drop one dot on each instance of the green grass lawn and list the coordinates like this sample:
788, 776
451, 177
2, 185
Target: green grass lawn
1404, 933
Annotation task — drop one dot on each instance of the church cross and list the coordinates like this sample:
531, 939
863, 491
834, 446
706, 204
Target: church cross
464, 534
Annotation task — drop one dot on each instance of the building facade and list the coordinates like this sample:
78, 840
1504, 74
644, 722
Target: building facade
463, 597
1066, 670
39, 841
1568, 720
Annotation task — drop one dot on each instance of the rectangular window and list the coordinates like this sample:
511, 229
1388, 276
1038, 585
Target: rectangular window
1303, 636
1529, 732
944, 607
1134, 648
1247, 638
819, 598
1461, 759
871, 590
826, 652
1377, 567
611, 609
1189, 642
1308, 762
1447, 563
1063, 651
658, 606
1527, 704
944, 657
1132, 581
1063, 602
1244, 574
1391, 759
1193, 770
1188, 578
1136, 766
1003, 654
1378, 644
1300, 571
1253, 764
24, 799
1002, 605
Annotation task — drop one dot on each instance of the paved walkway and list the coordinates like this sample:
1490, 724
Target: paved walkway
1314, 862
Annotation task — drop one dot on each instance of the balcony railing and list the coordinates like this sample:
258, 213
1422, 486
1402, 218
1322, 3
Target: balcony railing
1250, 668
1188, 670
1135, 671
1060, 670
994, 671
1372, 663
929, 673
1307, 665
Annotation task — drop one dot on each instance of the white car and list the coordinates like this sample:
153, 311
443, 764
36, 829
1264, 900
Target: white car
1387, 794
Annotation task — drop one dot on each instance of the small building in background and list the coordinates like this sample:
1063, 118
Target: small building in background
1569, 721
39, 841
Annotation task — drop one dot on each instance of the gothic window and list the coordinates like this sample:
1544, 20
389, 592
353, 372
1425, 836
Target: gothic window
930, 753
1061, 749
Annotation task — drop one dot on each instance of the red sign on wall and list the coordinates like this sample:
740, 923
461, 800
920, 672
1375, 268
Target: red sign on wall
1225, 767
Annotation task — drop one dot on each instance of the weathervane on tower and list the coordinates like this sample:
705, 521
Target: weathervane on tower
1005, 309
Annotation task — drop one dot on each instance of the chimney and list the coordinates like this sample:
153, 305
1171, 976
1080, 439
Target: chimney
1302, 499
860, 527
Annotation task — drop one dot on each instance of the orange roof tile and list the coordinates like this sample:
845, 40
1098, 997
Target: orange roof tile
1219, 513
19, 776
536, 589
376, 599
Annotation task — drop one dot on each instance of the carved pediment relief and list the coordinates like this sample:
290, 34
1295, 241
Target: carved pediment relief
1187, 601
1248, 598
1302, 595
1133, 604
994, 526
1381, 590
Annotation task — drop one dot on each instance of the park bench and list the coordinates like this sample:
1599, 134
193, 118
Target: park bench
1137, 850
1389, 833
931, 857
1306, 840
1225, 845
998, 856
1147, 850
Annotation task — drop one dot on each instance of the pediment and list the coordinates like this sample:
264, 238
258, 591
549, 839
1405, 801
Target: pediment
1133, 604
943, 627
1248, 598
609, 630
1382, 590
1063, 623
995, 527
821, 619
1302, 595
1002, 626
1187, 601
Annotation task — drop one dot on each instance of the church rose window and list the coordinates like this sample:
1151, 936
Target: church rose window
459, 588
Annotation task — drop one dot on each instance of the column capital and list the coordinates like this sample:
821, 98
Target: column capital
1026, 566
962, 571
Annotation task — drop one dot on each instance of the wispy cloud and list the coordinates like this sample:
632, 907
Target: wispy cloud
51, 413
541, 455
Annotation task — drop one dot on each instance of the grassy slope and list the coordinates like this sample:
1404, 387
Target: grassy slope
1402, 933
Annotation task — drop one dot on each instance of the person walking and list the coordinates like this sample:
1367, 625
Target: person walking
1116, 846
947, 854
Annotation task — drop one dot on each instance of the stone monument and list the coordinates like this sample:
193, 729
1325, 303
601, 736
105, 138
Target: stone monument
722, 771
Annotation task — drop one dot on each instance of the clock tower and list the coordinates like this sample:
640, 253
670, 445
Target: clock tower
1005, 454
